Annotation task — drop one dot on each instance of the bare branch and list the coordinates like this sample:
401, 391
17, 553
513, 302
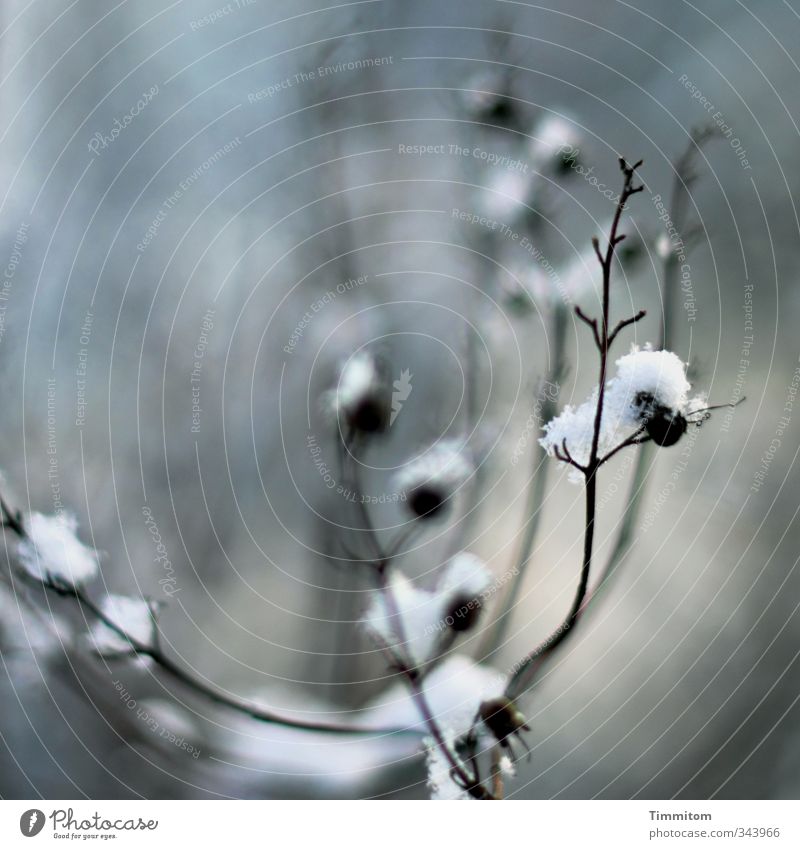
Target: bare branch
596, 246
637, 438
592, 322
527, 668
626, 322
156, 654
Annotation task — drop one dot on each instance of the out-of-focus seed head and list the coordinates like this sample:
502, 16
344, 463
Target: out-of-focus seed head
503, 718
362, 398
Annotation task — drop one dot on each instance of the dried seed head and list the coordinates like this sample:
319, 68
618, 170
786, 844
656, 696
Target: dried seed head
427, 501
503, 718
663, 425
362, 398
430, 481
464, 613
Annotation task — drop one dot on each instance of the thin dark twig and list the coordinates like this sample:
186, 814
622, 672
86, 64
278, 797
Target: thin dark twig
526, 669
626, 322
592, 322
685, 175
470, 783
12, 519
596, 246
639, 437
562, 453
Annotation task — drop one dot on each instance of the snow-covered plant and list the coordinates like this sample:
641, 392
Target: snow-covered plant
418, 618
466, 717
647, 399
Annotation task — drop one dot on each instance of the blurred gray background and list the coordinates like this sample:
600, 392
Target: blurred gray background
263, 184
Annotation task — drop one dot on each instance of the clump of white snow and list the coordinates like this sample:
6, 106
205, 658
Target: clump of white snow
645, 379
52, 551
135, 616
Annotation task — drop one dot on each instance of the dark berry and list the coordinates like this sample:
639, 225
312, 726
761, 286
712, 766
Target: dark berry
502, 717
464, 613
426, 501
369, 416
665, 427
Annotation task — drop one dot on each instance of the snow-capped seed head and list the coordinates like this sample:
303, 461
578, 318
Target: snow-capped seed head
430, 481
486, 100
52, 550
663, 246
574, 426
466, 574
464, 584
664, 426
507, 196
135, 616
656, 375
463, 613
649, 390
503, 718
362, 398
555, 142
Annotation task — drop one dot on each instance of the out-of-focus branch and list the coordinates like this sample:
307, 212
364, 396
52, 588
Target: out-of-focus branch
12, 521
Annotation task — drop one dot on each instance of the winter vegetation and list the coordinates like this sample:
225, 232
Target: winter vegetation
389, 410
472, 748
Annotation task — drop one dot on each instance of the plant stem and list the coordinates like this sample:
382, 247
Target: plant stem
413, 678
407, 666
684, 177
165, 663
527, 668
